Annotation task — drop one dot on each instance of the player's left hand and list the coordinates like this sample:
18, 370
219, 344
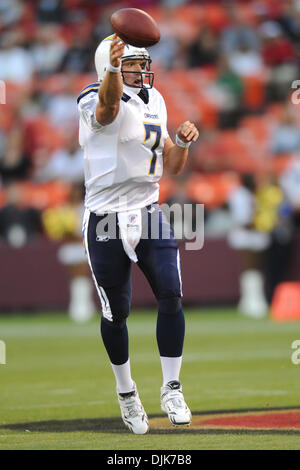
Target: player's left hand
188, 132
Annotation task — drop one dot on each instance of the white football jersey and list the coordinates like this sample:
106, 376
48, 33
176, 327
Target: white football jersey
123, 161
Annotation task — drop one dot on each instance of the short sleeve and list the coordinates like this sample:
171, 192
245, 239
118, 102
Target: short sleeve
87, 110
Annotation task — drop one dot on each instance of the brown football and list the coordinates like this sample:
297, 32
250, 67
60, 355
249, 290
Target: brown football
135, 27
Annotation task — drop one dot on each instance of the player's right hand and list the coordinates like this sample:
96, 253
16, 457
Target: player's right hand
116, 51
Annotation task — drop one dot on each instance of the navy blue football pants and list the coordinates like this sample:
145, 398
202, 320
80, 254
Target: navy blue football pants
158, 258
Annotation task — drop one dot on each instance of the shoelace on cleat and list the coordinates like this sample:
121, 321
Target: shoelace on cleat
174, 399
133, 409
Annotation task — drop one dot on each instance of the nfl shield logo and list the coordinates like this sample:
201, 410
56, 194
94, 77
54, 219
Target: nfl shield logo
132, 218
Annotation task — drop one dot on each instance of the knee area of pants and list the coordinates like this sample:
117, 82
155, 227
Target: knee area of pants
117, 322
169, 306
169, 288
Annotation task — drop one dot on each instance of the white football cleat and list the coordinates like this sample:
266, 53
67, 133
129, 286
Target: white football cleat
172, 403
133, 413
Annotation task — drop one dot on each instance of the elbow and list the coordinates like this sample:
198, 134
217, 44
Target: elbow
176, 171
104, 121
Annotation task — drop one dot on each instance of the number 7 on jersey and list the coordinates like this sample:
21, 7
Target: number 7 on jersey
152, 129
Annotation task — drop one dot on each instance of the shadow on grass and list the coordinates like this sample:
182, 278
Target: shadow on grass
110, 425
115, 425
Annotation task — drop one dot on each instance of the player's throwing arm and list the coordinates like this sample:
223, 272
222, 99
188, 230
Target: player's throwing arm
111, 89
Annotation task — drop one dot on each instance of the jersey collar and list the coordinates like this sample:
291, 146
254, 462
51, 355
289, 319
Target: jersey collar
142, 93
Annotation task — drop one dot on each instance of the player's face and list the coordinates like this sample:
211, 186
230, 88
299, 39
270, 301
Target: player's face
134, 79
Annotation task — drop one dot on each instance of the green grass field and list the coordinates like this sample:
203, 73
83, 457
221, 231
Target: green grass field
57, 390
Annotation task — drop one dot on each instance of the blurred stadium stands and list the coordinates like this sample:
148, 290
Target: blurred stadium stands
226, 65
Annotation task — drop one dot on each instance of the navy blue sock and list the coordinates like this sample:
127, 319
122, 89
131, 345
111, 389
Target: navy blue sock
170, 330
115, 339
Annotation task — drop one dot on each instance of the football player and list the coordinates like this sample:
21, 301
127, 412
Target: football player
123, 131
